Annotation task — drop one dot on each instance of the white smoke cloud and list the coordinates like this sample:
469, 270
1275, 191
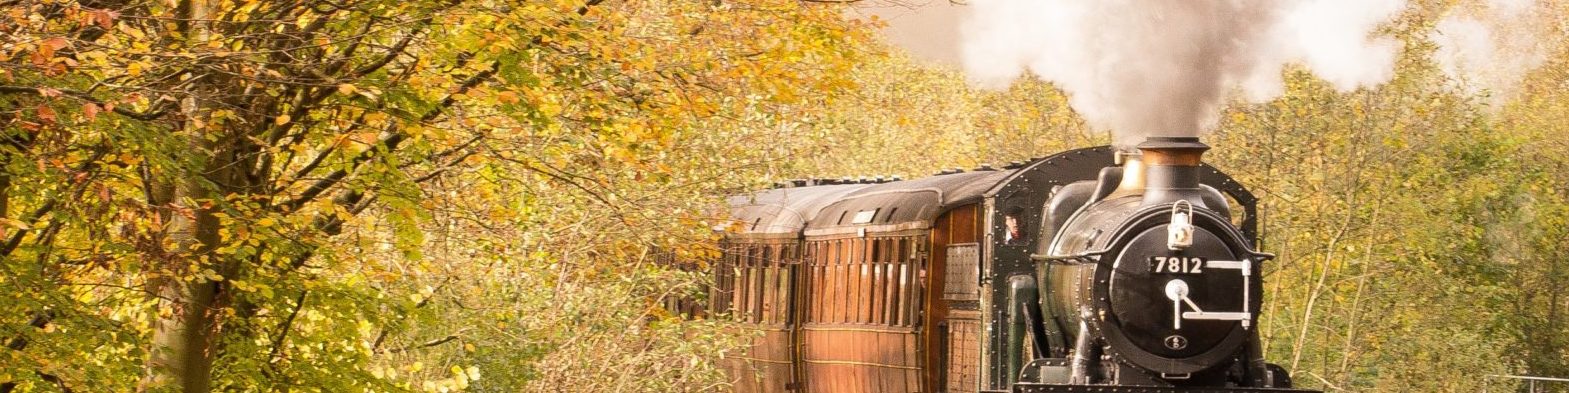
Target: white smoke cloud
1488, 48
1164, 68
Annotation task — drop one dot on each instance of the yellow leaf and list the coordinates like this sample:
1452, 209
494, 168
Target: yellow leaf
15, 223
345, 88
281, 120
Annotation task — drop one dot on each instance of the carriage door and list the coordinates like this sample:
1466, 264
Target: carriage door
956, 302
756, 285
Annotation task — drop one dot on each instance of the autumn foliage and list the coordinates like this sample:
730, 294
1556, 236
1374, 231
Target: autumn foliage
322, 195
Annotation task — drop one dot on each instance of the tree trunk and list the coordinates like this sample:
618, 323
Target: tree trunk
183, 336
186, 333
190, 303
193, 305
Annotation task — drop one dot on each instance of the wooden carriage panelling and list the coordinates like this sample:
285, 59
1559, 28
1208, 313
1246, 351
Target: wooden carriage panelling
888, 287
861, 329
755, 286
955, 235
860, 288
757, 283
877, 314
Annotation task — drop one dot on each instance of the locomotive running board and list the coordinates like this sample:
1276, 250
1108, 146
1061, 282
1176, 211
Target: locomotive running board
1059, 388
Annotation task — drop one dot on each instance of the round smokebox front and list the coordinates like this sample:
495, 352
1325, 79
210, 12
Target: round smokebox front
1173, 311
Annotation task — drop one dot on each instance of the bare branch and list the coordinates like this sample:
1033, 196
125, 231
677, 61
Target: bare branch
283, 328
427, 344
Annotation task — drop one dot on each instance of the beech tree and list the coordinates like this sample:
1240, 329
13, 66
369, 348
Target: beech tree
327, 195
178, 174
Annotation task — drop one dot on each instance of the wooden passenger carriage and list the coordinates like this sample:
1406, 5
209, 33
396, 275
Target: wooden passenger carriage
888, 286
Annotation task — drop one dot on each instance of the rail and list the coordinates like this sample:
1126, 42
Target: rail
1531, 381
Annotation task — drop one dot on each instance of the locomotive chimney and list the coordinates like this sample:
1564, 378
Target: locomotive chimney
1171, 169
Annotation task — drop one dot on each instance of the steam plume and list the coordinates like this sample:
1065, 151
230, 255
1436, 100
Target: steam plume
1489, 48
1164, 68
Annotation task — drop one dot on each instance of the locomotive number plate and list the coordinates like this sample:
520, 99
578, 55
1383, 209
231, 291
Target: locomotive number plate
1177, 265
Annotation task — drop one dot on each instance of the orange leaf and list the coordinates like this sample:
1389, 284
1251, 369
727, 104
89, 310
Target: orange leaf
105, 18
56, 43
46, 113
507, 97
90, 110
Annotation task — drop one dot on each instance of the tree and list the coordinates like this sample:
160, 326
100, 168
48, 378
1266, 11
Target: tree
177, 173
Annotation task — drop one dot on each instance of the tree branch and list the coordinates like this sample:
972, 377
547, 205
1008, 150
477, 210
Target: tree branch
16, 238
427, 344
389, 144
39, 321
283, 328
157, 111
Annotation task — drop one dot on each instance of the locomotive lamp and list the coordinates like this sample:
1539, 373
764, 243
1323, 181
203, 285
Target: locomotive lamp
1179, 233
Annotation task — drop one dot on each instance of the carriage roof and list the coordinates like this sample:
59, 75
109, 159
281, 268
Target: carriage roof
784, 211
903, 205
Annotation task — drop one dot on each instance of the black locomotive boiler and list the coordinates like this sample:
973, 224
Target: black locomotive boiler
1148, 282
1092, 270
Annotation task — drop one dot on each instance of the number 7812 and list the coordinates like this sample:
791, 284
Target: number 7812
1177, 265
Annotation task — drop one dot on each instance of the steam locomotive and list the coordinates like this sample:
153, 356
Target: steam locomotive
1091, 270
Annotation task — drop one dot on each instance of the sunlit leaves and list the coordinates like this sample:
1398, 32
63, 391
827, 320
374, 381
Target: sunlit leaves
391, 164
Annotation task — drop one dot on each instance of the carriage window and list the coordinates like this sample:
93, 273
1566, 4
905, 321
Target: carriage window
879, 287
819, 290
868, 283
835, 286
891, 280
846, 255
911, 265
738, 297
781, 312
754, 290
724, 282
857, 285
765, 294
